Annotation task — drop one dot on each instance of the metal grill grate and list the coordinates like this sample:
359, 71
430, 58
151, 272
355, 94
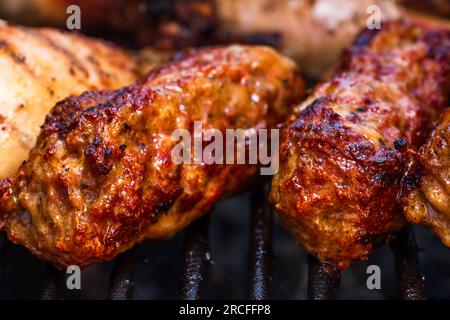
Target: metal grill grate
121, 284
409, 279
323, 279
260, 250
196, 260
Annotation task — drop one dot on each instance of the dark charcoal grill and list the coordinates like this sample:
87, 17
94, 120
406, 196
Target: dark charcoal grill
323, 279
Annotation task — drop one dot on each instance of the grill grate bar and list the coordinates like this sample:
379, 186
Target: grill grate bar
197, 258
409, 279
3, 255
51, 283
322, 279
260, 249
121, 284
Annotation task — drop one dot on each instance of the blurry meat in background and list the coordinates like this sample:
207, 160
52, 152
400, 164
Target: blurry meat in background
312, 32
436, 7
165, 24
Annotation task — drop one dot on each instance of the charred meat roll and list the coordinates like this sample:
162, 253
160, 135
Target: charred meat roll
101, 177
342, 153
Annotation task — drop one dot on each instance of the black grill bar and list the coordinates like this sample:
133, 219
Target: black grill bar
409, 279
260, 248
322, 279
3, 255
51, 283
121, 284
197, 258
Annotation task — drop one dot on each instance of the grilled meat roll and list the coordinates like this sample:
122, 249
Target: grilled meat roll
42, 66
314, 33
341, 154
427, 183
101, 178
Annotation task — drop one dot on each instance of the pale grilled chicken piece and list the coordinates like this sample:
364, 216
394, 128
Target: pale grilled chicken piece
314, 33
427, 183
42, 66
101, 177
342, 155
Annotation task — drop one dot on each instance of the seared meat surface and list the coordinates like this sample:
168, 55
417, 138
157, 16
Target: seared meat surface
101, 179
342, 154
39, 67
427, 183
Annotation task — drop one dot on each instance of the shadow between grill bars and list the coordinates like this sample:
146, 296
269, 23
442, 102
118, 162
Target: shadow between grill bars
323, 279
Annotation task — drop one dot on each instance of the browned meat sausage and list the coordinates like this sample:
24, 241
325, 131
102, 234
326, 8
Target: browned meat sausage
101, 178
314, 33
341, 154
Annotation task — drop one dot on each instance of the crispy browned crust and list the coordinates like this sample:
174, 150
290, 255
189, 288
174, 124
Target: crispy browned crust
101, 178
342, 154
41, 66
427, 183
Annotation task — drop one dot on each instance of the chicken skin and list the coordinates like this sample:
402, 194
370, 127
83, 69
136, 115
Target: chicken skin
39, 67
101, 177
313, 33
342, 155
427, 183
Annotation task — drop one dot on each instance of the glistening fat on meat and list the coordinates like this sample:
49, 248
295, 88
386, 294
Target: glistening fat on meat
341, 154
100, 178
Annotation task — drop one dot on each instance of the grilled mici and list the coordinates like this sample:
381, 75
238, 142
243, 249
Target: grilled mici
101, 178
342, 155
